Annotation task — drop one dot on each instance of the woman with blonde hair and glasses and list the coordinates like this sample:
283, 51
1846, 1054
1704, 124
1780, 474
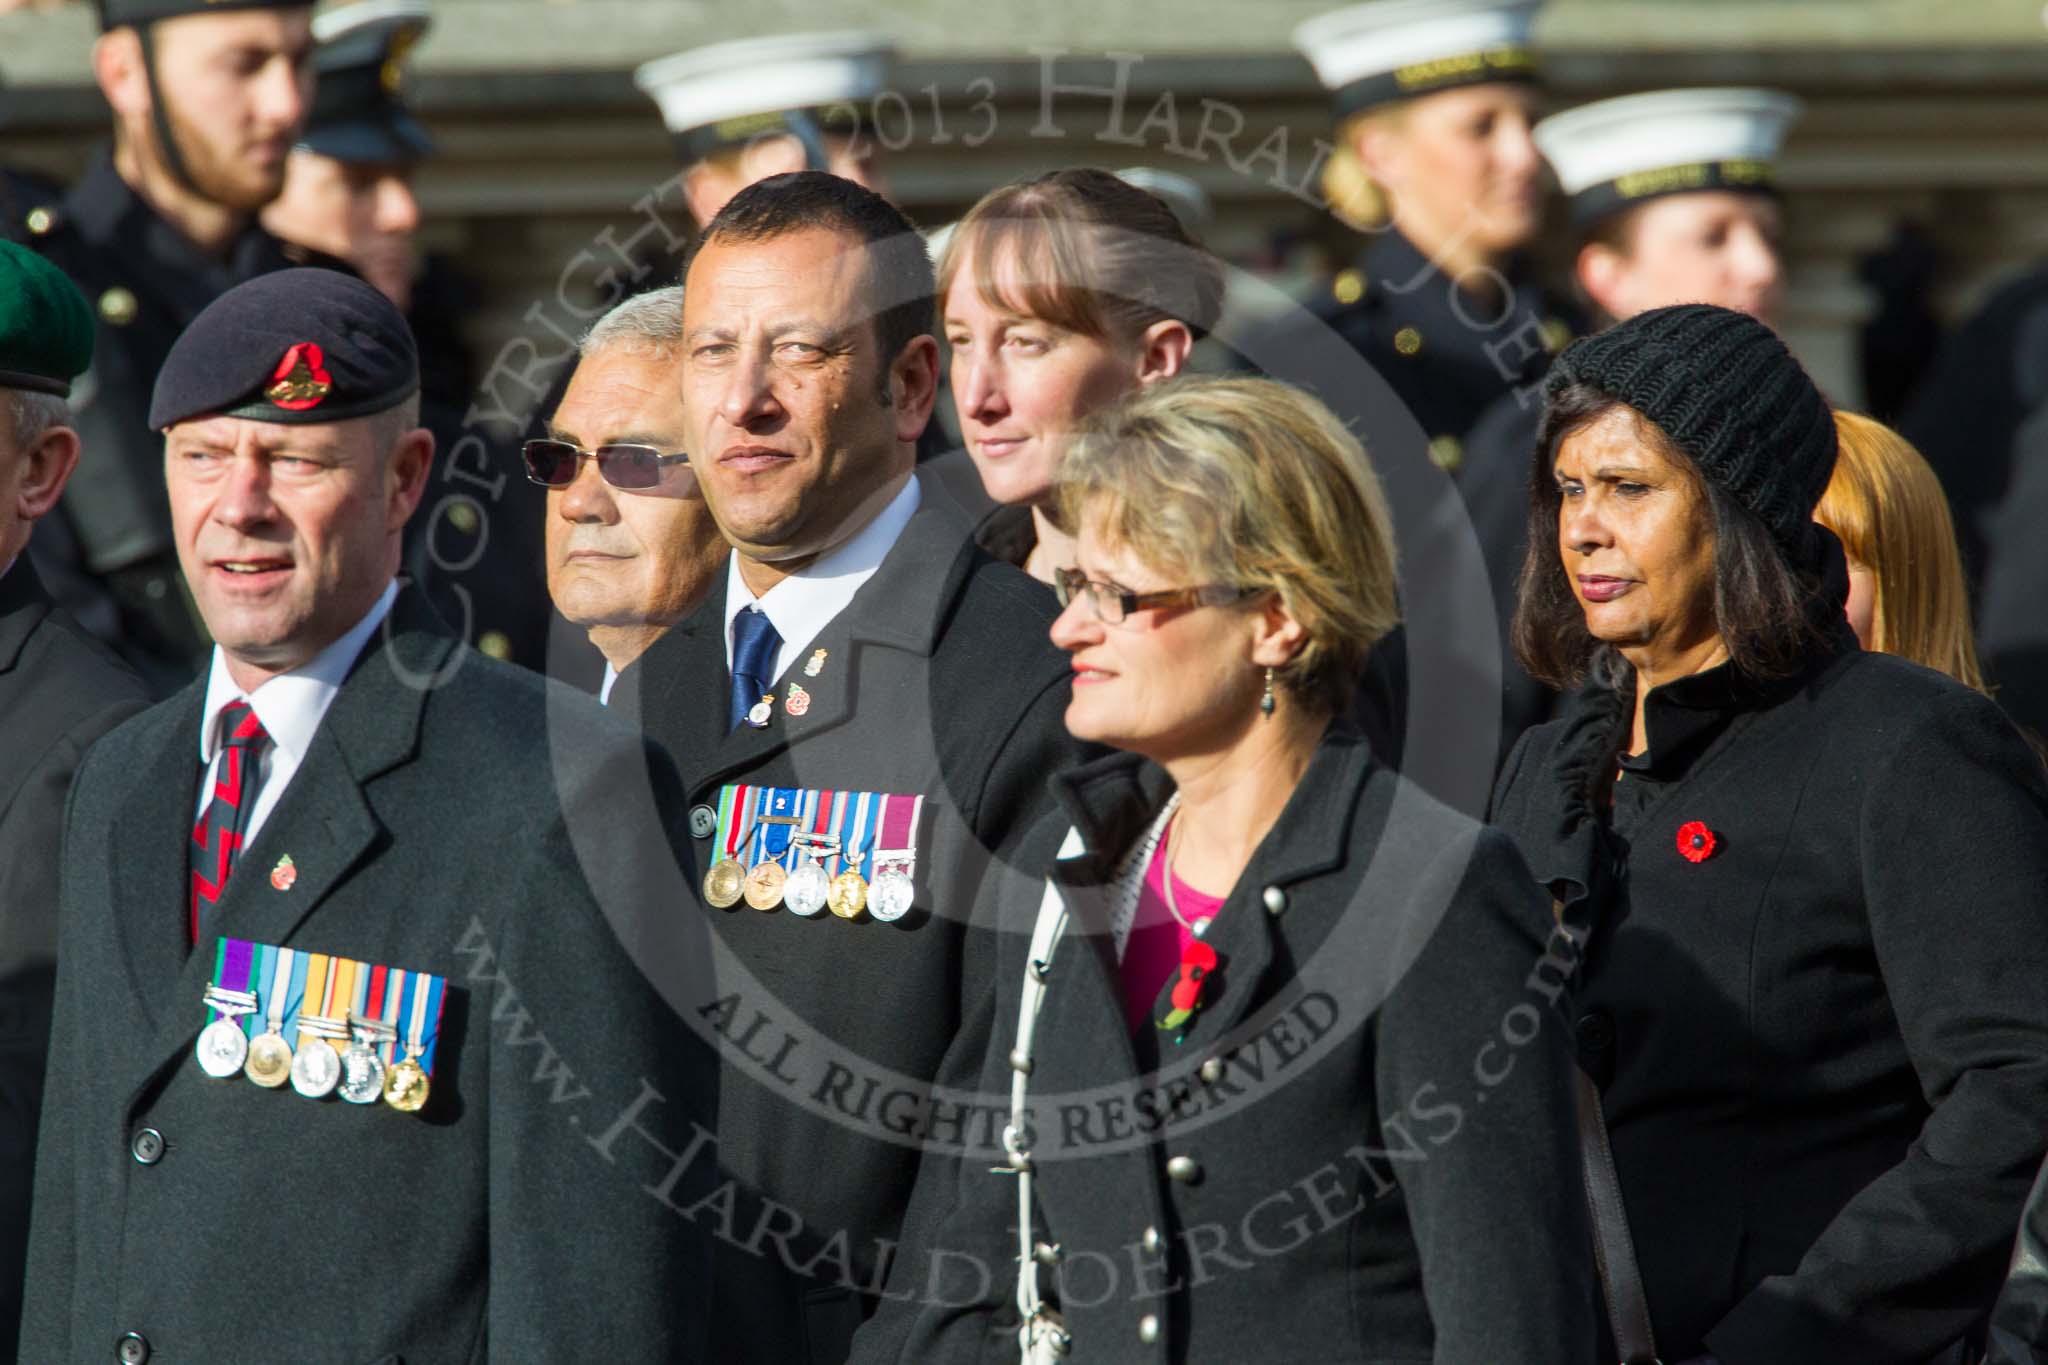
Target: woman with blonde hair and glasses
1906, 590
1274, 1077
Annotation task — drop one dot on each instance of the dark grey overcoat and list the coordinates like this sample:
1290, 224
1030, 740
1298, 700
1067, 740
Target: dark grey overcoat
466, 828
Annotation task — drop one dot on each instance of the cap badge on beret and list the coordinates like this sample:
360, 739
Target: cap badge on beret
302, 383
392, 74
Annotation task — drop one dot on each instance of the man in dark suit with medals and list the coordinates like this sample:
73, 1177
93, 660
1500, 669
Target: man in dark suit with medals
865, 711
382, 881
207, 96
59, 691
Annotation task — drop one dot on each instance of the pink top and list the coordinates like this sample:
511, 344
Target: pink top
1152, 953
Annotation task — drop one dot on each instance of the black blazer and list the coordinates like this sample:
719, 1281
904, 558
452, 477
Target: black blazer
2019, 1327
938, 679
59, 691
442, 822
1375, 1103
1823, 1045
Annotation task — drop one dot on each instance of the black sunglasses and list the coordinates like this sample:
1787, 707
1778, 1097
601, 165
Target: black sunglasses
553, 464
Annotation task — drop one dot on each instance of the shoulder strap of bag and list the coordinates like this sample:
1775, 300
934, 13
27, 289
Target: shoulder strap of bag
1614, 1250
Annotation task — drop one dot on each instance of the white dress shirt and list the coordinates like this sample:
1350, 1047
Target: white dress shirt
803, 604
290, 707
611, 678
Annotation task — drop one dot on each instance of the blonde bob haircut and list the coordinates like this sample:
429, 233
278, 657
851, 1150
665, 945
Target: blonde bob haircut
1886, 506
1252, 483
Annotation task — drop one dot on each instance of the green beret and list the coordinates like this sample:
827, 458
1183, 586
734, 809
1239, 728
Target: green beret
45, 324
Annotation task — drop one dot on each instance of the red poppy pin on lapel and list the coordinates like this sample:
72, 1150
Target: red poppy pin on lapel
1197, 965
1695, 842
284, 874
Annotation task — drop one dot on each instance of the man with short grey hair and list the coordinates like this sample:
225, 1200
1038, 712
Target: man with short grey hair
631, 548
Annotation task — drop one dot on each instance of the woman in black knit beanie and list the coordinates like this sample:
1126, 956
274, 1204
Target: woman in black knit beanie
1807, 882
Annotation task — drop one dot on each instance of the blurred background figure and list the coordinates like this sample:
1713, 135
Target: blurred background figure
1672, 200
1435, 101
1059, 295
1966, 414
1906, 591
755, 107
349, 202
207, 100
2013, 623
632, 549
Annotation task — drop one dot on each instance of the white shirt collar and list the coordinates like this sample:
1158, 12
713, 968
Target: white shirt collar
803, 604
290, 705
611, 678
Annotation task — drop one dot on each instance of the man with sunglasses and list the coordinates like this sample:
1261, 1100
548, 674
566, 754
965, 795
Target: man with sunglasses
631, 547
865, 711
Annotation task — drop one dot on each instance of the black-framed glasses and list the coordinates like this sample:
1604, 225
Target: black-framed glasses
553, 464
1112, 604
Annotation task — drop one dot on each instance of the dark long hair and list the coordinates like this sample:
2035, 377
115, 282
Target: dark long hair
1761, 596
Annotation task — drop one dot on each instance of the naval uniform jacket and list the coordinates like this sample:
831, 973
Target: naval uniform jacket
60, 690
1446, 355
937, 679
109, 557
1822, 1041
180, 1218
1362, 1150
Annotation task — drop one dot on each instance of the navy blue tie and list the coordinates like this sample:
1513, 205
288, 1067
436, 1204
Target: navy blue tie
754, 647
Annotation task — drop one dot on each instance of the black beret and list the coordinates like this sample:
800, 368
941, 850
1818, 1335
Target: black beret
45, 324
1729, 393
115, 13
296, 346
359, 113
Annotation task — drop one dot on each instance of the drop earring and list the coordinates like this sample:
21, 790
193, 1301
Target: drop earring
1266, 702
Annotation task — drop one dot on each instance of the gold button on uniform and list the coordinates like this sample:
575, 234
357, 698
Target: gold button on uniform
1447, 453
40, 221
1408, 341
118, 306
1349, 287
1557, 334
463, 518
495, 643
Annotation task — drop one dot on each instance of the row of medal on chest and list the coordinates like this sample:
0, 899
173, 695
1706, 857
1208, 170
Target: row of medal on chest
367, 1070
827, 850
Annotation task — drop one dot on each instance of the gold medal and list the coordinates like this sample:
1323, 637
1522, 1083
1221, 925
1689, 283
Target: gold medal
405, 1086
270, 1060
764, 885
849, 895
724, 883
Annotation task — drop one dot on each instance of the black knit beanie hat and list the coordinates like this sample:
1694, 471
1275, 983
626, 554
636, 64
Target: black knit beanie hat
1730, 395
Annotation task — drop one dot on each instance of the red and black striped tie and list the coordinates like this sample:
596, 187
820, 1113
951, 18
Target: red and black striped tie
217, 838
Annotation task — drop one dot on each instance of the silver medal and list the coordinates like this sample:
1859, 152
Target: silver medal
890, 895
223, 1048
807, 889
316, 1069
760, 713
362, 1074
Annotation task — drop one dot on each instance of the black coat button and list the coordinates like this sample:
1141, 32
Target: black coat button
1595, 1033
132, 1349
147, 1147
703, 821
